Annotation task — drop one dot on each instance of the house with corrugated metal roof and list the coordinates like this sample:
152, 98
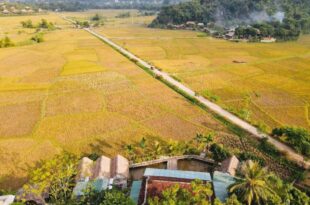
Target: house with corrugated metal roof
156, 180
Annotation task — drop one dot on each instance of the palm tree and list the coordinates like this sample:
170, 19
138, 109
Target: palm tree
253, 188
204, 140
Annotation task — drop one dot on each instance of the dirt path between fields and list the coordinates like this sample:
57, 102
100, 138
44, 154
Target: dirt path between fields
210, 105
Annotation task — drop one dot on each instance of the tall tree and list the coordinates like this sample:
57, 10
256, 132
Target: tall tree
253, 187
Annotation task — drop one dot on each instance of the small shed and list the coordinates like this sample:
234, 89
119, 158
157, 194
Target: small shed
230, 165
201, 25
5, 11
191, 23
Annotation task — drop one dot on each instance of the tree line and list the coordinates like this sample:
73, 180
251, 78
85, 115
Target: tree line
228, 13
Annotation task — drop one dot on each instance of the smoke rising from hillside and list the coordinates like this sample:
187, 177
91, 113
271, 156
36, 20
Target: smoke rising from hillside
254, 17
262, 16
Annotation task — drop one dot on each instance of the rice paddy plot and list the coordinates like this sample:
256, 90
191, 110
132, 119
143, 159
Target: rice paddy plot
72, 92
270, 74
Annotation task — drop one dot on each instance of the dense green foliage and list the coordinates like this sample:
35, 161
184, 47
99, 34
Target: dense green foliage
79, 5
268, 147
149, 149
197, 193
56, 175
219, 153
287, 30
258, 186
83, 24
282, 19
106, 197
244, 156
299, 138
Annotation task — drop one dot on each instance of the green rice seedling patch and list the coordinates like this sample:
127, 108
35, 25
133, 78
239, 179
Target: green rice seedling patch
79, 67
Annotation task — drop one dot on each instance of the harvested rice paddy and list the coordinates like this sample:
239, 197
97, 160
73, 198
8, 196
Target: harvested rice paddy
74, 93
267, 84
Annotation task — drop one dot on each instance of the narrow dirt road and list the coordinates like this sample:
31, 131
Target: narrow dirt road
212, 106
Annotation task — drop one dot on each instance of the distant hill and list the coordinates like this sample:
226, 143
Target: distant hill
76, 5
294, 15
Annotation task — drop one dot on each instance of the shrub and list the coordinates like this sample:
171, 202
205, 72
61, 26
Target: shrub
38, 38
244, 156
46, 25
123, 15
268, 148
299, 138
105, 197
219, 152
6, 42
56, 175
27, 24
96, 17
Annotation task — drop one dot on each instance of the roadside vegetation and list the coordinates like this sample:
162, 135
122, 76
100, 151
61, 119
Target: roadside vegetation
298, 138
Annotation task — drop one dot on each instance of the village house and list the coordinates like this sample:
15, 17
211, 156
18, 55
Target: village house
146, 181
5, 11
200, 25
190, 24
101, 174
156, 180
268, 40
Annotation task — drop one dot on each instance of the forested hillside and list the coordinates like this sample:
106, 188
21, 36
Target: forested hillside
293, 15
77, 5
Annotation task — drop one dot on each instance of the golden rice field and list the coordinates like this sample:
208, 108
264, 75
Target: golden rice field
73, 92
267, 84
